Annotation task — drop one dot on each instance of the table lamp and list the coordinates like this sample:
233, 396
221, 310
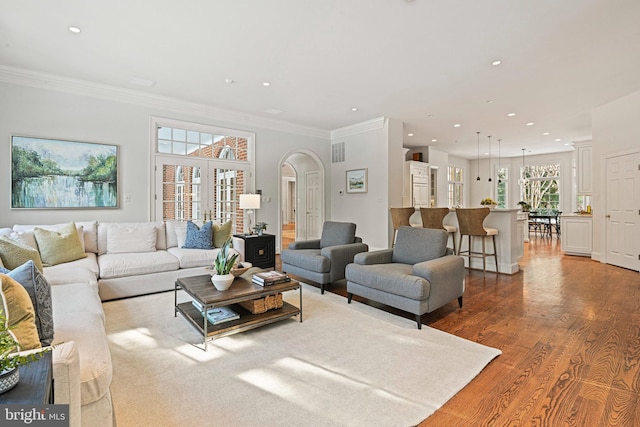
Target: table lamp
249, 202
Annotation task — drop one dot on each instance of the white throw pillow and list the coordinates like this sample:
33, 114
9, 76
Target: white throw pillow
126, 239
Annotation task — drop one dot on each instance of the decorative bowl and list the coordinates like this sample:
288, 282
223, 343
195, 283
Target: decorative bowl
241, 268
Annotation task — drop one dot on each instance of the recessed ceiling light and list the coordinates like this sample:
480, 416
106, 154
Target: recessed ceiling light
74, 29
530, 124
265, 84
457, 125
273, 111
229, 81
496, 63
489, 101
486, 154
434, 140
546, 133
409, 134
558, 139
429, 115
354, 109
568, 144
511, 114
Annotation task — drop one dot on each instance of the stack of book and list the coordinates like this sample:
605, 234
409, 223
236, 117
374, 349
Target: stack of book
267, 278
218, 315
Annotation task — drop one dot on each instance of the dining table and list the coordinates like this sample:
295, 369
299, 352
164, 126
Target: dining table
544, 221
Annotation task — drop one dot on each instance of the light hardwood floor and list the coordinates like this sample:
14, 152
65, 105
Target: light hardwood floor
569, 331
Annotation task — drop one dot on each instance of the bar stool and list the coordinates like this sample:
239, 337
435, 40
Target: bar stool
471, 225
400, 217
434, 217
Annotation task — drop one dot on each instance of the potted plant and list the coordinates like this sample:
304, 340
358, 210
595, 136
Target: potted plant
489, 202
221, 276
524, 206
10, 360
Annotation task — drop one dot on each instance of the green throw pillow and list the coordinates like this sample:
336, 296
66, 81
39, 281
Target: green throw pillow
221, 233
20, 315
14, 254
59, 246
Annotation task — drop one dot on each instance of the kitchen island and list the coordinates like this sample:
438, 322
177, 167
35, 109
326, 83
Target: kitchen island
510, 238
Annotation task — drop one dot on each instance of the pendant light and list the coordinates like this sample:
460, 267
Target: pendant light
523, 180
478, 134
499, 179
490, 158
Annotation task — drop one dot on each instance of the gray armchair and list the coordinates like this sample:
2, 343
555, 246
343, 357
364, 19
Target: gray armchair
324, 260
418, 275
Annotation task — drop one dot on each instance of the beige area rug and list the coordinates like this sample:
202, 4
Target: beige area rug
344, 365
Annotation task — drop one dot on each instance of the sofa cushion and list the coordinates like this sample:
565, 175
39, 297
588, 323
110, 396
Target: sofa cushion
39, 291
86, 329
27, 238
393, 278
189, 258
14, 254
103, 227
84, 270
308, 259
177, 232
337, 233
120, 265
414, 245
84, 232
16, 307
199, 237
60, 246
76, 298
131, 239
221, 233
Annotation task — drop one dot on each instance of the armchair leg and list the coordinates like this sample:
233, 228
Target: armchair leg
419, 321
349, 296
460, 301
322, 288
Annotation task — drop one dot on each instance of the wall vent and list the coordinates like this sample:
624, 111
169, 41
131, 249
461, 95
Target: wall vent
337, 152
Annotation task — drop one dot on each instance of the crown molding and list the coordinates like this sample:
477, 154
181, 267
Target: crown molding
23, 77
369, 125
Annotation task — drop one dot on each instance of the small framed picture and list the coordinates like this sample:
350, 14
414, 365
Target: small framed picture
357, 181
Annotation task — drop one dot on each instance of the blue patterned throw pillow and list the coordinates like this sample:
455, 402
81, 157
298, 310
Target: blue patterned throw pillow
199, 238
39, 291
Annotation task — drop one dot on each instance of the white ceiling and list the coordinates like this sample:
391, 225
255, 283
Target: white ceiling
425, 62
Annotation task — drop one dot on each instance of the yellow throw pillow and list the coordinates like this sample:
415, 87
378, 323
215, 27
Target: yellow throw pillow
221, 233
19, 313
59, 246
14, 254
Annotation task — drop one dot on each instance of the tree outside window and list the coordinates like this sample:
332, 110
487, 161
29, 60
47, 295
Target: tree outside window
541, 189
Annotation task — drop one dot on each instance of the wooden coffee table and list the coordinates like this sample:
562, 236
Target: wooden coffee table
200, 289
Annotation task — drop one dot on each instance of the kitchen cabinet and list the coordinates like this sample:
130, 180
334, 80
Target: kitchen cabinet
584, 153
577, 234
416, 191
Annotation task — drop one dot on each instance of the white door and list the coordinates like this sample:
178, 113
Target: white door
182, 188
313, 205
622, 211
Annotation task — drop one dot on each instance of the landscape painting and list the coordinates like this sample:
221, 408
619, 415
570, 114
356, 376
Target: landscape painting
357, 181
56, 174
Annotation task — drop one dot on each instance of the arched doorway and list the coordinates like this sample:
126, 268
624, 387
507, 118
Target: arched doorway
301, 198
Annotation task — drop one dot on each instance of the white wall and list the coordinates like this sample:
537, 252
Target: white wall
54, 114
615, 131
370, 145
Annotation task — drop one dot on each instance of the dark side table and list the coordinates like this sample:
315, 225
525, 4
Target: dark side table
35, 386
260, 251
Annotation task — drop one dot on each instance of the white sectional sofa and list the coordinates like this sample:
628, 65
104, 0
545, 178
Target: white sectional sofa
82, 366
